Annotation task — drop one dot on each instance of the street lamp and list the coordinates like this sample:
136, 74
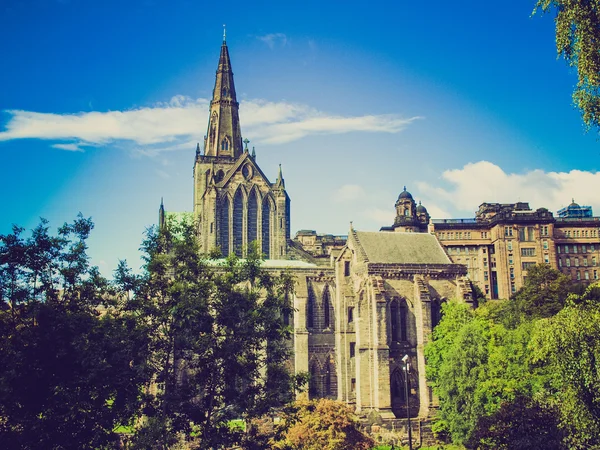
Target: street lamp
407, 391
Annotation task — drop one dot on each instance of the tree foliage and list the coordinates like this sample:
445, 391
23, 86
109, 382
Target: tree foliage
220, 338
322, 425
72, 360
569, 345
578, 41
520, 424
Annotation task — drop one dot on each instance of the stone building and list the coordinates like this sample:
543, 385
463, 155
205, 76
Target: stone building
366, 300
234, 202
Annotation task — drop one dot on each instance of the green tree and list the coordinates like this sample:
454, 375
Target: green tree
578, 41
543, 295
220, 339
475, 364
72, 360
520, 424
322, 425
569, 345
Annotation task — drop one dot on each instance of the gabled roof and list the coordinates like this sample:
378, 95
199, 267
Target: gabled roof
400, 248
236, 167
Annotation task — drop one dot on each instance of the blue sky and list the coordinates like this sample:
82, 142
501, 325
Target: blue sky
462, 102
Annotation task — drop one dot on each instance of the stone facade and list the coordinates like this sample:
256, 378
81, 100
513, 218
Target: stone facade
234, 202
363, 302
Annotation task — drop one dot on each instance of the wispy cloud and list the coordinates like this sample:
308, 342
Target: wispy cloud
273, 39
484, 181
179, 123
348, 193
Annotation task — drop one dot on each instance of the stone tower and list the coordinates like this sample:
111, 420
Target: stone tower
234, 202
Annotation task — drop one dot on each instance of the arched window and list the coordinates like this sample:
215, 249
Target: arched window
327, 379
252, 233
326, 306
397, 386
266, 227
312, 382
403, 321
394, 320
238, 218
436, 312
407, 212
225, 145
310, 309
224, 226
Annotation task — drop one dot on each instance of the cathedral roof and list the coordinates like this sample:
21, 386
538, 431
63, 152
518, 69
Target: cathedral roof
401, 248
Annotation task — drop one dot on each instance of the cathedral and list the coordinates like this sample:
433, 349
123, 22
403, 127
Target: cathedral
366, 303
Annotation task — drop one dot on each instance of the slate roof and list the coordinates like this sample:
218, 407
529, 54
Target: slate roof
401, 248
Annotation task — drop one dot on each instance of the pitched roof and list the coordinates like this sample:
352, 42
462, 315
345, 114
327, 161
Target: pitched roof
401, 248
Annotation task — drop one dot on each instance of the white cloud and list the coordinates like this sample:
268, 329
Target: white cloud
273, 39
179, 123
68, 147
348, 193
484, 181
383, 217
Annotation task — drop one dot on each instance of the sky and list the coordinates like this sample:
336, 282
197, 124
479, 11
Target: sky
102, 103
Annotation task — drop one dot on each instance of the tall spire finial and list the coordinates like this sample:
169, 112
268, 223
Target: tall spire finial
224, 33
246, 141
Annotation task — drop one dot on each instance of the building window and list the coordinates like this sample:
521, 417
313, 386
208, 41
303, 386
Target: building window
508, 231
485, 275
578, 275
352, 349
403, 321
326, 308
353, 384
346, 268
545, 245
593, 260
584, 249
510, 259
513, 288
592, 248
394, 319
566, 249
310, 311
225, 145
559, 262
544, 230
512, 273
586, 275
595, 274
585, 262
528, 251
558, 248
527, 265
576, 262
568, 262
546, 259
509, 246
350, 314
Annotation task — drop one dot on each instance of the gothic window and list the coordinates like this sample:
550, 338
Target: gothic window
312, 382
397, 386
403, 321
407, 212
310, 309
266, 227
436, 312
252, 234
238, 218
327, 379
224, 226
225, 144
394, 320
326, 308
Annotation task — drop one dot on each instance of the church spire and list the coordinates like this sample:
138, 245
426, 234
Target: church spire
224, 133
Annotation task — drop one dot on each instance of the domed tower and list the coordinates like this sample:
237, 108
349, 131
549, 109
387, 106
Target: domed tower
409, 216
422, 214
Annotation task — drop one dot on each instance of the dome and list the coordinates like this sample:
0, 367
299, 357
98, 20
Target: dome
405, 194
573, 204
421, 209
